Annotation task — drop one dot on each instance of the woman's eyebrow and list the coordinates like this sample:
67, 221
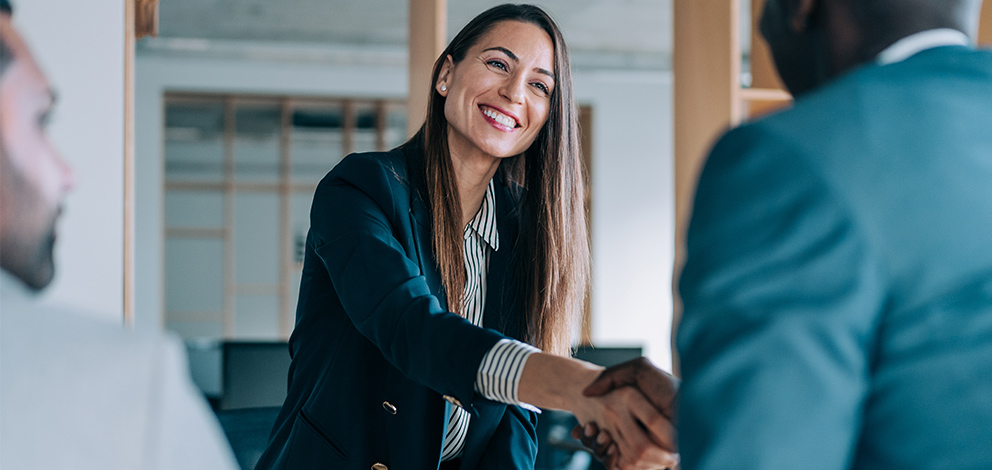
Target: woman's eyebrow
514, 57
504, 50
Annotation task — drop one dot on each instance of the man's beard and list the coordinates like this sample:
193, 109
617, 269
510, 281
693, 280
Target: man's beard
41, 269
31, 258
28, 256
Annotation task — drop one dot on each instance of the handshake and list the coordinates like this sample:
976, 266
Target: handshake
640, 417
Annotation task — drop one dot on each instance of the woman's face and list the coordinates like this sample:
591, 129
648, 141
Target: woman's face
499, 96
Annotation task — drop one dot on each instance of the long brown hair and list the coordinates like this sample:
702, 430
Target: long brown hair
553, 245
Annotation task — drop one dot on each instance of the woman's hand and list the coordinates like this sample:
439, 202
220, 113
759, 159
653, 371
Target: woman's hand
658, 386
644, 438
600, 443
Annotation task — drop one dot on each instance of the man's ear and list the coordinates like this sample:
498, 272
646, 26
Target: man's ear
444, 77
800, 12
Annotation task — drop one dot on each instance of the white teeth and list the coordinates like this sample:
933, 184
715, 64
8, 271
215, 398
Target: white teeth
500, 118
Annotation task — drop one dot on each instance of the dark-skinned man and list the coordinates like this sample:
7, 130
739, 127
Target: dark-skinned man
838, 284
75, 392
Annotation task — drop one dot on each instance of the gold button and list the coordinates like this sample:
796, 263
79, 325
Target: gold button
379, 466
453, 401
389, 407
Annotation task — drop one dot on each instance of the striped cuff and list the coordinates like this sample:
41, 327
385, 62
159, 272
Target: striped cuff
499, 374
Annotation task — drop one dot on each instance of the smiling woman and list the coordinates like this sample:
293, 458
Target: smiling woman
493, 94
435, 274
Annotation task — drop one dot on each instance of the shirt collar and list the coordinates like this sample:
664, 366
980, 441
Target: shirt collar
484, 222
919, 42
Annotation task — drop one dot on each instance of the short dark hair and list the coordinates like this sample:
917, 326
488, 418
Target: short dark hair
6, 55
913, 15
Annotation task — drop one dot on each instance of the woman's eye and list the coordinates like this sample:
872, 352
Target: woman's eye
542, 87
496, 63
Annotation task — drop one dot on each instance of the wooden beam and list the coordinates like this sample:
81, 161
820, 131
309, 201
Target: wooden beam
237, 186
381, 124
129, 39
230, 127
246, 288
759, 101
985, 25
145, 18
195, 232
428, 33
585, 144
706, 64
349, 127
286, 297
200, 316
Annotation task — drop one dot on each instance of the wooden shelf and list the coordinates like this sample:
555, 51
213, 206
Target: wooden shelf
760, 101
765, 94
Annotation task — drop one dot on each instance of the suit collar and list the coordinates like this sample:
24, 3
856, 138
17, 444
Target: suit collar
420, 218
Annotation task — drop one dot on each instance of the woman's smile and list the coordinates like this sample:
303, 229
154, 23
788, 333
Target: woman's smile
499, 119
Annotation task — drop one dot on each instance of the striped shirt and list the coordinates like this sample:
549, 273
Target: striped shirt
499, 373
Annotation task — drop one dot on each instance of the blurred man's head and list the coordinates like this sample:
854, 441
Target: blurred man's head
813, 41
33, 177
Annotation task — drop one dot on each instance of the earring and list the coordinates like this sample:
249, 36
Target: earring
444, 88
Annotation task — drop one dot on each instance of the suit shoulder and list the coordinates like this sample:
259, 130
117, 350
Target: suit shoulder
82, 348
819, 123
371, 172
359, 166
381, 177
872, 96
743, 142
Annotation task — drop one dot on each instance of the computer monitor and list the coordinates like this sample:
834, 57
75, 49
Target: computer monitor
607, 357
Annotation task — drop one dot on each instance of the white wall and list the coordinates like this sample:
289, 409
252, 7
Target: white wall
80, 47
633, 208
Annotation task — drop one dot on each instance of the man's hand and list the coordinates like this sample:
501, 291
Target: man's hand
644, 438
658, 386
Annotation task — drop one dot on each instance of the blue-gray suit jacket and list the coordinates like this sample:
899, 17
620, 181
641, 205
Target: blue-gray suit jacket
375, 349
838, 285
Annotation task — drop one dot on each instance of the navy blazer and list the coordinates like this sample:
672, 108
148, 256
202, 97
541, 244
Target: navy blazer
375, 353
838, 285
